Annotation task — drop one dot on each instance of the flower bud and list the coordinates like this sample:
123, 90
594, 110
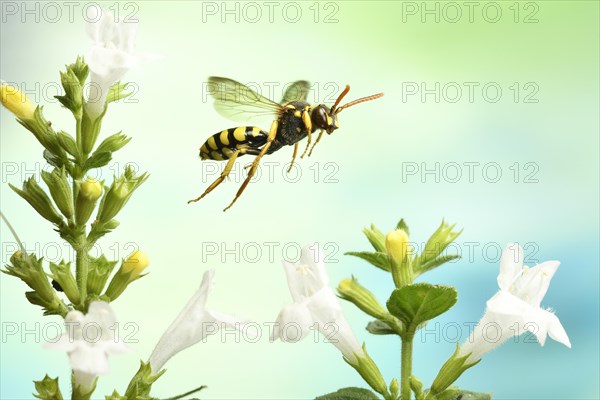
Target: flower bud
48, 388
39, 200
131, 270
400, 253
60, 190
118, 194
16, 101
369, 371
437, 243
351, 290
375, 237
450, 371
397, 245
62, 275
29, 269
395, 388
99, 271
135, 264
89, 193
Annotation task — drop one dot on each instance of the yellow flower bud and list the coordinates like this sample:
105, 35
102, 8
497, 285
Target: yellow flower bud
135, 263
397, 245
16, 101
91, 188
130, 270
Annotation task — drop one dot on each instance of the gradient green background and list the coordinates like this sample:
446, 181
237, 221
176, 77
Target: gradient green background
373, 49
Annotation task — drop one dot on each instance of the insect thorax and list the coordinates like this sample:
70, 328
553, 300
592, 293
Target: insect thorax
291, 127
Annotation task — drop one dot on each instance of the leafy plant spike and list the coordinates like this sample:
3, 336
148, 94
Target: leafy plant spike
411, 305
81, 291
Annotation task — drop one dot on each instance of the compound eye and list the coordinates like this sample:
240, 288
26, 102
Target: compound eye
320, 117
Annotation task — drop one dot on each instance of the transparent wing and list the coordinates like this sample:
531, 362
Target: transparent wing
238, 102
298, 91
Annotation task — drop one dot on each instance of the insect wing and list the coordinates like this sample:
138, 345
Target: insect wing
238, 102
297, 91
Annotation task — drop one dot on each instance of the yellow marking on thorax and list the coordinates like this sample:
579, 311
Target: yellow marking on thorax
224, 137
297, 114
290, 106
240, 134
255, 131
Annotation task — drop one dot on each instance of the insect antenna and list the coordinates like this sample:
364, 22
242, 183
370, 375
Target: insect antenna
340, 97
358, 101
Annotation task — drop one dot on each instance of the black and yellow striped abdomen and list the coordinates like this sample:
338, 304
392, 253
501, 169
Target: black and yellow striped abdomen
222, 145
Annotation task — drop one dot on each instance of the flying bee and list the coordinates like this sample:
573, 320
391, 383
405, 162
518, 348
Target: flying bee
295, 120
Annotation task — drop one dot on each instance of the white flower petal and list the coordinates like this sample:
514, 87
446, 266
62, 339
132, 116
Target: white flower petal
293, 323
556, 330
308, 275
314, 257
534, 282
89, 339
515, 309
315, 302
193, 324
324, 306
89, 359
511, 264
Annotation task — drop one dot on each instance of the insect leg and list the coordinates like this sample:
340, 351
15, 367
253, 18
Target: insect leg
263, 151
308, 124
221, 178
318, 140
293, 157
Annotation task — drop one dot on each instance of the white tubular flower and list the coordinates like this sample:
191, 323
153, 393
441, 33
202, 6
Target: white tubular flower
88, 341
516, 309
193, 324
315, 303
112, 54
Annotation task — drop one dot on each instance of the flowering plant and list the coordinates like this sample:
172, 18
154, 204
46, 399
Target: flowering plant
83, 295
410, 306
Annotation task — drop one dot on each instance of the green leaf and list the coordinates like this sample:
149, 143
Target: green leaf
378, 327
467, 395
454, 393
420, 302
350, 393
98, 160
402, 225
380, 260
436, 262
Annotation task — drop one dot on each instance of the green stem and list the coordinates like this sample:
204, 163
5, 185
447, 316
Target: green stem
406, 364
181, 396
81, 269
